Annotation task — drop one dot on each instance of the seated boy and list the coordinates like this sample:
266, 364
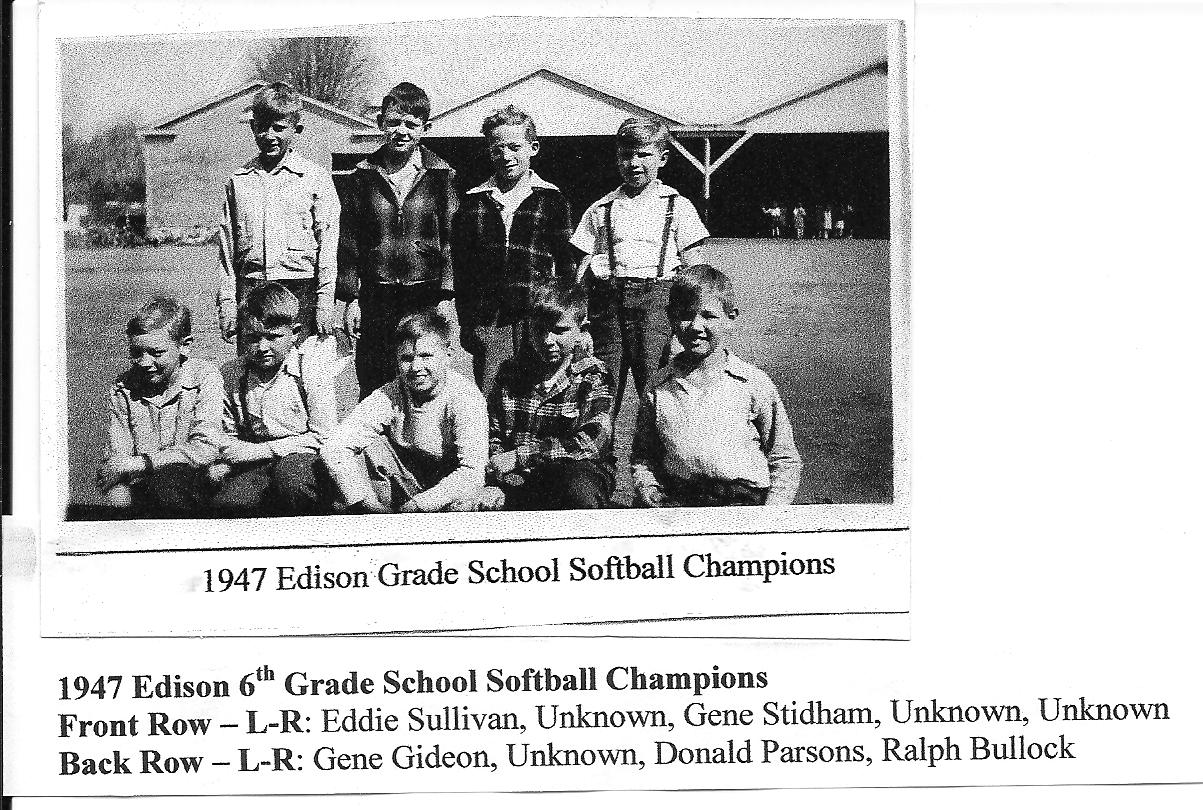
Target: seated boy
279, 407
424, 436
164, 419
711, 429
549, 413
510, 233
280, 223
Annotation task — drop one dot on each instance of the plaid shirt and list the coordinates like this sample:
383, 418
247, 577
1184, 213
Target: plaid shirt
488, 265
567, 416
384, 240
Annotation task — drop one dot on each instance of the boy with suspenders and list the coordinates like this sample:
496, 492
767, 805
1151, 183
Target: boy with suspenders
634, 240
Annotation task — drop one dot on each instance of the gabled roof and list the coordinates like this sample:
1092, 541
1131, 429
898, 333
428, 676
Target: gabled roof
815, 90
228, 95
590, 89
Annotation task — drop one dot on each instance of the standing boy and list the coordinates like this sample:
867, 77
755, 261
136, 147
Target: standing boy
635, 238
164, 419
279, 406
395, 248
711, 429
280, 222
424, 436
511, 233
549, 413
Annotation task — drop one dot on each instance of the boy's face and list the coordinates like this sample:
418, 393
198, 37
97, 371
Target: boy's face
555, 341
703, 328
274, 136
155, 357
423, 364
402, 131
640, 165
268, 346
510, 152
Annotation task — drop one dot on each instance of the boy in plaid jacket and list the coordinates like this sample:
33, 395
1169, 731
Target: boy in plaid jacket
549, 413
511, 233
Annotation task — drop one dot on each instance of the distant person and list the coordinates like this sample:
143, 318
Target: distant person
550, 430
164, 419
395, 248
839, 221
827, 222
420, 442
279, 407
776, 218
799, 217
280, 223
511, 233
633, 240
711, 430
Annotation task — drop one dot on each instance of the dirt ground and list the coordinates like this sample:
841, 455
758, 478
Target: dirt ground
814, 315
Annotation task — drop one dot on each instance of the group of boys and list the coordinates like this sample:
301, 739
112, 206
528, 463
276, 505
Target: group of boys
553, 318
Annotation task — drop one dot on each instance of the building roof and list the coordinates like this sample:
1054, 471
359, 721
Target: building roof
561, 78
749, 118
164, 125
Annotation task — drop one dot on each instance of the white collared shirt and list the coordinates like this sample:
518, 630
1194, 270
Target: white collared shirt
403, 179
638, 232
508, 201
734, 429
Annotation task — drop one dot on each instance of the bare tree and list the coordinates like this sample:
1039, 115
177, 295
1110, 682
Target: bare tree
330, 69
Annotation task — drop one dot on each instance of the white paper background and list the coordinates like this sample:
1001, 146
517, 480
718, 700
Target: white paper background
1056, 288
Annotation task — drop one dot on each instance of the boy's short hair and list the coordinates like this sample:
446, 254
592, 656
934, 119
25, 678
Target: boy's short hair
427, 322
510, 114
638, 131
161, 312
271, 304
553, 299
698, 281
409, 99
275, 101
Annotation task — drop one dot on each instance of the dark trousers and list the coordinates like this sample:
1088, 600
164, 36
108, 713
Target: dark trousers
561, 484
174, 491
381, 308
304, 289
713, 493
490, 346
270, 488
629, 324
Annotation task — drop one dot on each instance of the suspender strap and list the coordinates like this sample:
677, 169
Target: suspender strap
242, 396
668, 225
243, 385
609, 207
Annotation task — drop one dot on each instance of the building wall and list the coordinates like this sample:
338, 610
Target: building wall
186, 175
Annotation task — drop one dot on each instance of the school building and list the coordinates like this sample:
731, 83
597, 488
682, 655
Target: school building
825, 144
192, 152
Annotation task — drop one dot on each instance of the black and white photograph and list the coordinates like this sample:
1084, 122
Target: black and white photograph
362, 271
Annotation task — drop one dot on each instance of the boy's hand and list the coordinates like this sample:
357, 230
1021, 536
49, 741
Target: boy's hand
492, 499
652, 497
246, 452
218, 471
228, 325
116, 470
325, 321
351, 319
446, 309
503, 463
